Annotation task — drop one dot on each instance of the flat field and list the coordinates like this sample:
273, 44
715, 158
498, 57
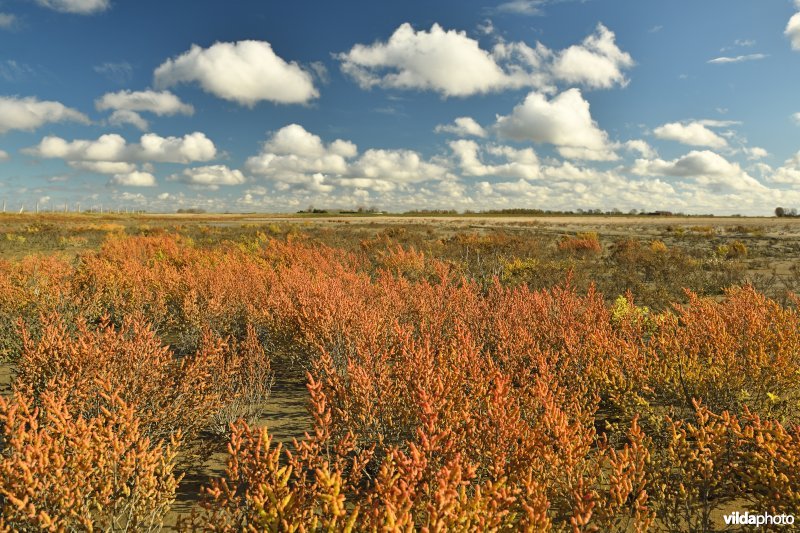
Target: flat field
376, 372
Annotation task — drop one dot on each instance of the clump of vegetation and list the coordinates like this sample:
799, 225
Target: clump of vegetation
582, 243
477, 380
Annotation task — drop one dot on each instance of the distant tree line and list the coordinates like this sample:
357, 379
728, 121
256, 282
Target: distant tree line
360, 210
784, 212
431, 212
520, 211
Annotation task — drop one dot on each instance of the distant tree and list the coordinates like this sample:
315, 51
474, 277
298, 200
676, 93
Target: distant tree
780, 212
792, 212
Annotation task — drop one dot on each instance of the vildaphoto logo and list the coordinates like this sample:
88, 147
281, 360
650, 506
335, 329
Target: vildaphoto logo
763, 519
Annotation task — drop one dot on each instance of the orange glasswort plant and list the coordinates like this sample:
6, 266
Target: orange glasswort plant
438, 401
60, 471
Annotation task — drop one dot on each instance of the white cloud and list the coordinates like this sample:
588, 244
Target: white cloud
123, 116
596, 63
704, 167
513, 163
162, 103
209, 176
29, 113
245, 72
134, 179
564, 121
796, 118
793, 30
692, 134
373, 184
399, 166
78, 7
104, 167
462, 127
7, 20
4, 156
640, 146
295, 158
788, 174
109, 147
737, 59
453, 64
292, 154
756, 152
295, 140
446, 61
113, 148
192, 147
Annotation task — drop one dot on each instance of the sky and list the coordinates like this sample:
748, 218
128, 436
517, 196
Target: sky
247, 105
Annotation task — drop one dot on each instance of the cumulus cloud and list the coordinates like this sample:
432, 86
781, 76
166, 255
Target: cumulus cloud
453, 64
113, 148
210, 177
737, 59
756, 152
563, 121
29, 113
4, 156
110, 147
509, 162
104, 167
133, 179
640, 146
692, 134
192, 147
245, 72
295, 158
567, 185
788, 173
462, 127
161, 103
127, 106
596, 63
78, 7
295, 140
796, 118
292, 154
398, 166
446, 61
123, 116
793, 30
704, 167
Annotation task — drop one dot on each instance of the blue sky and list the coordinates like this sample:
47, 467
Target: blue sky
275, 106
